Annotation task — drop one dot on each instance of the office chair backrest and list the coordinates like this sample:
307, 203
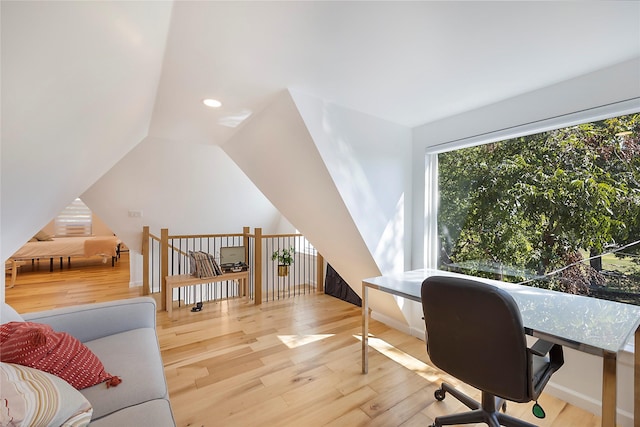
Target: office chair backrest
475, 333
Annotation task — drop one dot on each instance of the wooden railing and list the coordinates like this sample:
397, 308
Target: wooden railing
307, 264
168, 255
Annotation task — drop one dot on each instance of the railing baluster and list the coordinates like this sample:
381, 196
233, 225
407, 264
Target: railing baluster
169, 255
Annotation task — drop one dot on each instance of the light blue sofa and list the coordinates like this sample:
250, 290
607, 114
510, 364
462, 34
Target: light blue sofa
123, 336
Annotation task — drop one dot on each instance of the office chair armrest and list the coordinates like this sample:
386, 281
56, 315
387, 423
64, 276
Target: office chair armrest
541, 348
540, 373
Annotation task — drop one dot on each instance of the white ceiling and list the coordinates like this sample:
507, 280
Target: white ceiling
406, 62
84, 82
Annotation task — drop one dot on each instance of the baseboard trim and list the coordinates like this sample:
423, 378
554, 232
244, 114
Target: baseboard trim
624, 418
389, 321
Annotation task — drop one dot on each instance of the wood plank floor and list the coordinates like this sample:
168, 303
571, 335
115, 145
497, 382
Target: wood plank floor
293, 362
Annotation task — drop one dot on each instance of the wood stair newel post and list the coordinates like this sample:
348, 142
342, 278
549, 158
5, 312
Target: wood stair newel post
319, 273
145, 260
257, 273
246, 235
164, 266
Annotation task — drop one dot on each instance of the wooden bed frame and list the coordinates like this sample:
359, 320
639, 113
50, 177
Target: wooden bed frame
68, 247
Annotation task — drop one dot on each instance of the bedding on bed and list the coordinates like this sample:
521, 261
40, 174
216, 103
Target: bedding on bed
105, 246
102, 245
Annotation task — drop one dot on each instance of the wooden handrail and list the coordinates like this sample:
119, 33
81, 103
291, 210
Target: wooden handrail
180, 251
275, 236
204, 236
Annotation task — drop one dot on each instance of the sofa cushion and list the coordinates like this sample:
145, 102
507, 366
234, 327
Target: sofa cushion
8, 314
156, 413
37, 345
135, 355
35, 398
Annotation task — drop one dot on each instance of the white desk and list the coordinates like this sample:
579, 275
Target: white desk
587, 324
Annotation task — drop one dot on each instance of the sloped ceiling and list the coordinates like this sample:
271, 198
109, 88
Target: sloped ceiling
279, 152
79, 81
406, 62
84, 82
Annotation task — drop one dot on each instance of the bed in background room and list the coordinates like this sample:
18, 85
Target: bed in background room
68, 247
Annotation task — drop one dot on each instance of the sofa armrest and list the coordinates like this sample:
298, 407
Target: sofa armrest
92, 321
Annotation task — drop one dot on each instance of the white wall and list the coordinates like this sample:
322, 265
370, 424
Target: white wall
277, 150
369, 162
75, 99
187, 188
611, 85
580, 382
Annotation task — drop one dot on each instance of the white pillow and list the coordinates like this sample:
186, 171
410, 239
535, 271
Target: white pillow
35, 398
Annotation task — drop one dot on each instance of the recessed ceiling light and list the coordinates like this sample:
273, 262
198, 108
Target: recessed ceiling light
213, 103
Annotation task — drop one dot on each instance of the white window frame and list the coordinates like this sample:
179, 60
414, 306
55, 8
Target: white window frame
431, 253
75, 220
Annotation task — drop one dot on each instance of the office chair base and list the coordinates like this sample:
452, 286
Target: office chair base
484, 412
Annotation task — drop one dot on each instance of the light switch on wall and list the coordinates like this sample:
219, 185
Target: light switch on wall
135, 214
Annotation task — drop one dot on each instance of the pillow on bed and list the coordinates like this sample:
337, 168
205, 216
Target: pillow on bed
42, 236
31, 397
38, 346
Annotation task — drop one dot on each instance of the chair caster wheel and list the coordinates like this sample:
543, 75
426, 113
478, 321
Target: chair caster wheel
439, 394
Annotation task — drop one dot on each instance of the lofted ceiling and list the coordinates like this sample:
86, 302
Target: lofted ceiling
406, 62
83, 83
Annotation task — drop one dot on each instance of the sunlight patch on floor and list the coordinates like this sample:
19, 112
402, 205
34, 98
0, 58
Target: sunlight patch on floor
293, 341
404, 359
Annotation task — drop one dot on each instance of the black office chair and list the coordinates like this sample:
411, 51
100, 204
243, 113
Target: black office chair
475, 333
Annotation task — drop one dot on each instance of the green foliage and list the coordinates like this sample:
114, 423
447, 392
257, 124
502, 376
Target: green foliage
536, 201
284, 256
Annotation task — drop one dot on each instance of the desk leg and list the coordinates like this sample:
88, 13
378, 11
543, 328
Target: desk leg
609, 389
636, 379
365, 329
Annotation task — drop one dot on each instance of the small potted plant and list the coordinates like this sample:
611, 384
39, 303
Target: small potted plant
285, 259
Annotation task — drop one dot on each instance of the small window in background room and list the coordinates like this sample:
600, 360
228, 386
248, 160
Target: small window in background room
558, 209
74, 220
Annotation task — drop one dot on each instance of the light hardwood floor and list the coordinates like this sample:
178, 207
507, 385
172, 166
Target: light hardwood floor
293, 362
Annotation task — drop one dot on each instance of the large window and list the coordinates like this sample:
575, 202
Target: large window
558, 209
